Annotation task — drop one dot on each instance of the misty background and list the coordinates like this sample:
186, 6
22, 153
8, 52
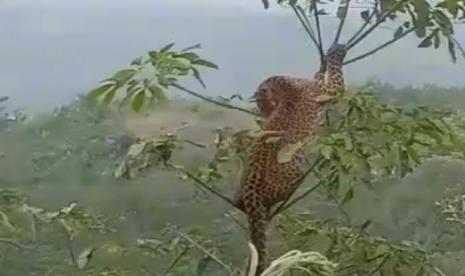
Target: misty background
53, 50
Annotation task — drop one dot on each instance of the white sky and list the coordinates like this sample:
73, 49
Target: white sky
53, 49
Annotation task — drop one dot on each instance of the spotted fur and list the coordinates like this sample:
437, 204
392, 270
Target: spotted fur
292, 112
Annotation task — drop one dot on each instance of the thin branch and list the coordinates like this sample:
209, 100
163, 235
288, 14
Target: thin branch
5, 221
308, 29
210, 189
208, 253
318, 30
210, 100
369, 53
13, 243
383, 262
341, 22
242, 226
459, 46
365, 24
302, 196
379, 21
177, 259
283, 206
69, 246
33, 229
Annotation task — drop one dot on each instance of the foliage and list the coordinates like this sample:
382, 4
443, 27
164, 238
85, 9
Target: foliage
336, 249
355, 252
362, 141
433, 96
155, 251
432, 22
151, 76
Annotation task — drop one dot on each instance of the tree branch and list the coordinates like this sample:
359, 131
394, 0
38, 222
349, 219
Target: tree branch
341, 22
13, 243
304, 195
210, 189
365, 24
210, 100
177, 259
369, 53
459, 46
203, 249
379, 21
283, 206
318, 30
308, 29
69, 246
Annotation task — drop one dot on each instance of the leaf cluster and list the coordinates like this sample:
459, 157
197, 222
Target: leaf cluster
355, 252
151, 76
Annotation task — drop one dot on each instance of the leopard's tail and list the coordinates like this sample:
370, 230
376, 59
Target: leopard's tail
258, 219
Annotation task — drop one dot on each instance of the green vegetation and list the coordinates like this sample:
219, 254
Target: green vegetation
66, 199
97, 190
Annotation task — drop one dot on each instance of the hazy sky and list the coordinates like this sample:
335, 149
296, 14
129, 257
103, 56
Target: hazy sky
52, 50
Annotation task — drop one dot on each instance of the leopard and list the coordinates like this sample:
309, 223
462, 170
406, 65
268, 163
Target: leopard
291, 112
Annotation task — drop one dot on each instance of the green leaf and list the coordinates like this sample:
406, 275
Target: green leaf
124, 75
453, 7
189, 56
109, 96
420, 272
84, 258
138, 101
167, 47
403, 162
99, 91
348, 143
444, 22
451, 47
266, 5
133, 89
198, 77
163, 80
182, 64
327, 151
425, 43
365, 15
413, 154
398, 33
206, 63
348, 196
420, 32
436, 40
422, 9
193, 47
202, 265
137, 61
153, 55
157, 92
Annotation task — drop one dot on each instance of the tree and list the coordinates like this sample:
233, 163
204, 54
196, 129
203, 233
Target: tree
432, 23
363, 139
